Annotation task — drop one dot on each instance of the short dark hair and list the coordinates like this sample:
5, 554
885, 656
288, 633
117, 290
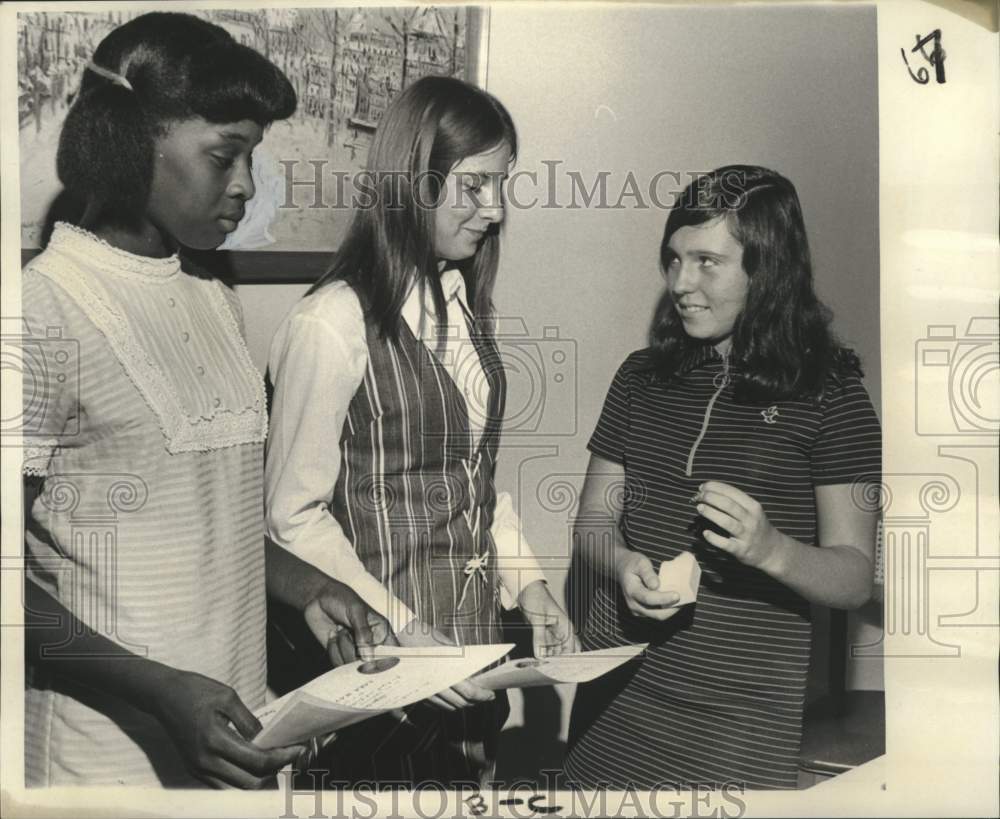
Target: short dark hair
782, 343
179, 67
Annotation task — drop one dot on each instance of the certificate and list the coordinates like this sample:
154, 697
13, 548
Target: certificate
580, 666
355, 692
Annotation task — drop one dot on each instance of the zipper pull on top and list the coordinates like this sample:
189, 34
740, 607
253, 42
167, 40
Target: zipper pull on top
720, 382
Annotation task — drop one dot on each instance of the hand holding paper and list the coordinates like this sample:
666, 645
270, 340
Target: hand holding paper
641, 587
361, 690
551, 629
681, 575
421, 636
345, 624
581, 666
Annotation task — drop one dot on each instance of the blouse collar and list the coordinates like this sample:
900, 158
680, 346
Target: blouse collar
452, 285
95, 252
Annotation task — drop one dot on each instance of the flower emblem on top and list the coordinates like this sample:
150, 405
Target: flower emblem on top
770, 414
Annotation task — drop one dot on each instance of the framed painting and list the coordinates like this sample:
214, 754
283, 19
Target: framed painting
346, 65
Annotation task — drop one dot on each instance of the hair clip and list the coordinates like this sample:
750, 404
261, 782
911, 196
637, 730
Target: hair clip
117, 79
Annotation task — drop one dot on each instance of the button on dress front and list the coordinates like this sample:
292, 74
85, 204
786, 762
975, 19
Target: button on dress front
145, 419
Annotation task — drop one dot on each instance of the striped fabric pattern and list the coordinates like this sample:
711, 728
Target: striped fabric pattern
720, 694
415, 495
161, 552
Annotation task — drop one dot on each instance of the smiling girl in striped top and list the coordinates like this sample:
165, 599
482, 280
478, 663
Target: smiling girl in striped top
745, 436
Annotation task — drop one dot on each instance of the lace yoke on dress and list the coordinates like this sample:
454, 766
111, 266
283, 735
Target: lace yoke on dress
177, 337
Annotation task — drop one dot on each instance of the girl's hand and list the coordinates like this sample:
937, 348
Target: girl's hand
462, 695
348, 627
551, 630
197, 712
752, 539
640, 583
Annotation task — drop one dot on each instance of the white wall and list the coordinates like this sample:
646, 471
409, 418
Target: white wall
650, 89
264, 306
645, 90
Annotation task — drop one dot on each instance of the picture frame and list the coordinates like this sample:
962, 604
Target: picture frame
370, 52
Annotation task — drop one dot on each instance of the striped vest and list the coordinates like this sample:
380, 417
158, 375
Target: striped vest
415, 494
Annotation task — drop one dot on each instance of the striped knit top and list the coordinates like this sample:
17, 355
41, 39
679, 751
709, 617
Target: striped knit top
145, 417
745, 643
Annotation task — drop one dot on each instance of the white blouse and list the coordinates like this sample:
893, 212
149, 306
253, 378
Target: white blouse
317, 362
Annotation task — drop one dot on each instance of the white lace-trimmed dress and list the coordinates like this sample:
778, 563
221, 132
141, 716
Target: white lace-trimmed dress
146, 418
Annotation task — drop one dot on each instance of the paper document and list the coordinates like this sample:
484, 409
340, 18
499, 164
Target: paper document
354, 692
682, 575
581, 666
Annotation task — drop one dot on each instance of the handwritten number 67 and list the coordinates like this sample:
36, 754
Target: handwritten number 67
935, 58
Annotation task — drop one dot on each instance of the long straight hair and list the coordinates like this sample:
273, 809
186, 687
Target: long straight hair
431, 126
782, 343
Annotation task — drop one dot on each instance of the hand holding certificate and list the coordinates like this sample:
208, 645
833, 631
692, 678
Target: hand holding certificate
355, 692
580, 666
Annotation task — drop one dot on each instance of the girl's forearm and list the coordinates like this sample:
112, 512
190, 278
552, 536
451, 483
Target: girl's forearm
59, 642
836, 576
290, 580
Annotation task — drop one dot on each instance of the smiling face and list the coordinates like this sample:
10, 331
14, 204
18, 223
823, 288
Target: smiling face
201, 180
707, 281
471, 201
